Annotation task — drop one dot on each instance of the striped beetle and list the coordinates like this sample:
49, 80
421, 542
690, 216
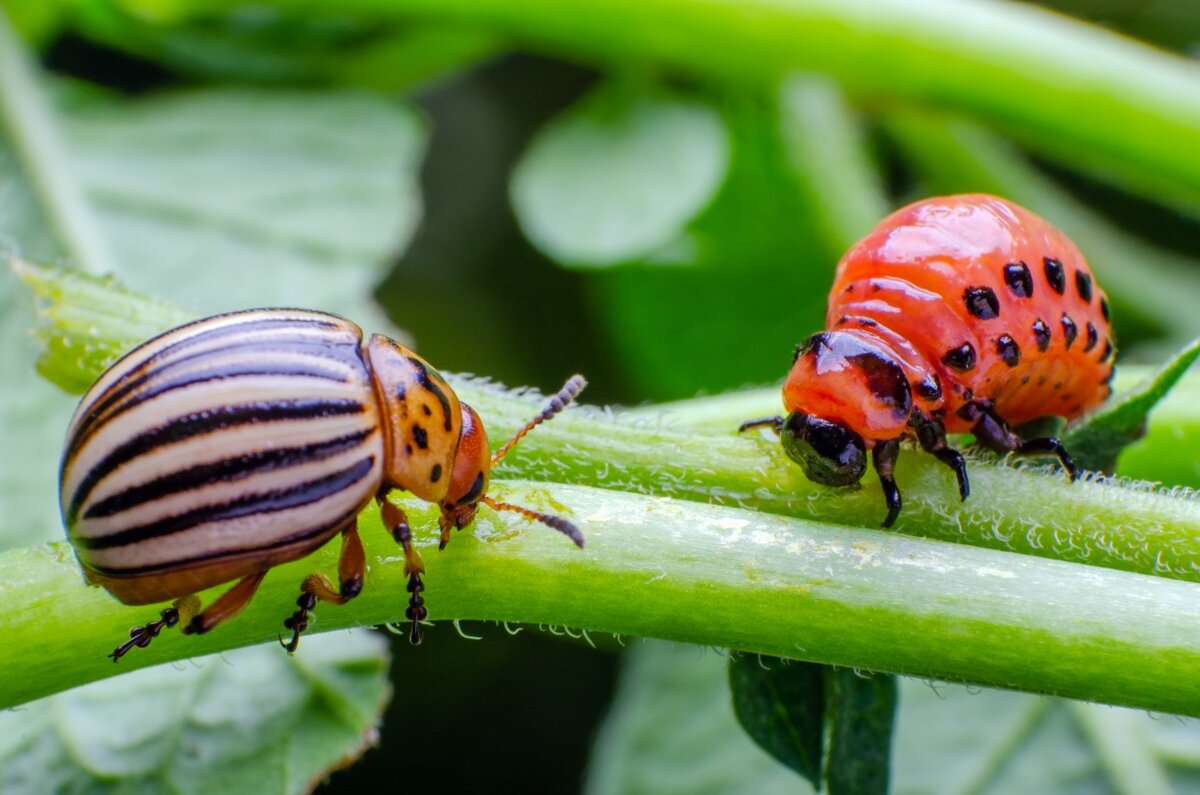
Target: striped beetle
239, 442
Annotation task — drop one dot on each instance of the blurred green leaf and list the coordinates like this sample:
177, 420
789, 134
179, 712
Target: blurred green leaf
862, 711
223, 199
619, 176
671, 728
251, 720
218, 199
762, 253
672, 722
1096, 442
781, 705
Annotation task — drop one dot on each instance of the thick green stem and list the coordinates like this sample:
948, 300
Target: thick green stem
690, 572
1073, 90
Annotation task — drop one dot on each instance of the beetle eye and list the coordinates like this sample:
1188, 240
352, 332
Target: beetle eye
831, 454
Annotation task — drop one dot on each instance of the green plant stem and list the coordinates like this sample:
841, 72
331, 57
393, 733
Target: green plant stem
690, 572
28, 121
1073, 90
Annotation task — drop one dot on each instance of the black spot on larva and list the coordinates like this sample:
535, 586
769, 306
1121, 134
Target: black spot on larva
1055, 274
1104, 308
1018, 279
843, 320
400, 393
435, 474
866, 322
1058, 385
428, 411
1041, 334
1024, 380
930, 387
849, 288
1092, 337
1008, 349
407, 448
1108, 350
1083, 283
885, 380
961, 358
420, 437
1070, 330
981, 302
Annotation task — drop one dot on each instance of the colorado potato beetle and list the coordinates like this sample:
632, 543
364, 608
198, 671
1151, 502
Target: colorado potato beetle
239, 442
956, 314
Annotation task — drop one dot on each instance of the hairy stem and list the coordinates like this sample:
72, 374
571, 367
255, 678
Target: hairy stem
689, 572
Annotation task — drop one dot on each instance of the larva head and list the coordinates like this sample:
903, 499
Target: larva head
470, 472
846, 391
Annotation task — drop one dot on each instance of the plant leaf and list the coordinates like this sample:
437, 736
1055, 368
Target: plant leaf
862, 710
619, 176
950, 739
672, 728
215, 199
1098, 440
781, 705
252, 720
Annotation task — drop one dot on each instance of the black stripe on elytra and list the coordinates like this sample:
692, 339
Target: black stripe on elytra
175, 564
296, 496
261, 364
201, 423
226, 471
249, 325
427, 382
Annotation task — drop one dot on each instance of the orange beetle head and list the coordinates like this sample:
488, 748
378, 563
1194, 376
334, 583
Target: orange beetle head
470, 473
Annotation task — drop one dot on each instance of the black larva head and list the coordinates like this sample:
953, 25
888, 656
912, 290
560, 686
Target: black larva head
830, 454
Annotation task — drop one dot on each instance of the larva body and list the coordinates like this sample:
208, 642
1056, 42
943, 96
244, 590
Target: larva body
956, 314
239, 442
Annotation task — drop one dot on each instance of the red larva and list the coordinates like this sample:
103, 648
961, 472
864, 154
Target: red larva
956, 314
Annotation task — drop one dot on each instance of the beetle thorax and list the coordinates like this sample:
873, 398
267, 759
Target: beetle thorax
421, 417
852, 378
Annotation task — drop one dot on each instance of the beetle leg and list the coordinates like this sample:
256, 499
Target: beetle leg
228, 605
884, 456
352, 567
774, 423
994, 434
932, 436
397, 523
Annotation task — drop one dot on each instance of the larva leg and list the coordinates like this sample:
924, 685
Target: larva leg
774, 423
181, 611
352, 567
932, 436
884, 456
397, 523
994, 434
228, 605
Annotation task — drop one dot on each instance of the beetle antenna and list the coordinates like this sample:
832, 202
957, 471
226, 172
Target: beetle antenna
557, 522
573, 387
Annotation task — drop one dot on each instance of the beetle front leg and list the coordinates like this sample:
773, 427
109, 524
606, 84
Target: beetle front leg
352, 568
397, 524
